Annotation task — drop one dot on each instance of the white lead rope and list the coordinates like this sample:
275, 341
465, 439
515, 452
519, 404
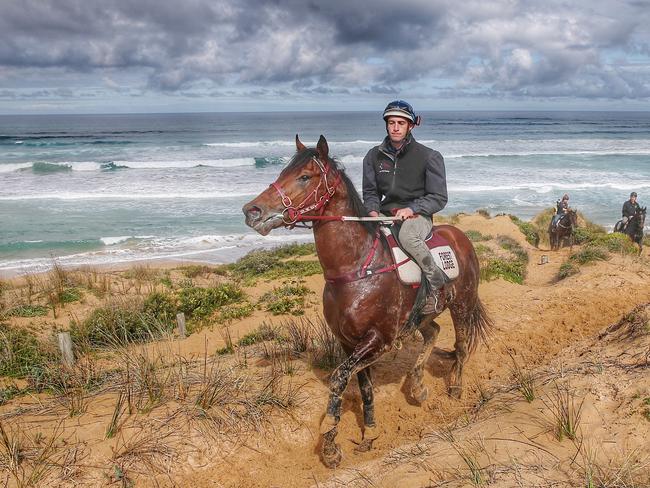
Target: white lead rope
371, 219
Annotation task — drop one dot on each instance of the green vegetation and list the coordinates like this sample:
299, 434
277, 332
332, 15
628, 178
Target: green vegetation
235, 311
28, 311
21, 352
161, 306
70, 295
483, 212
286, 299
264, 332
272, 264
511, 267
199, 303
118, 324
528, 229
476, 236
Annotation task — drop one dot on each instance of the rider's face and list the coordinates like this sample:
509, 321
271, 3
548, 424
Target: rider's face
397, 128
633, 200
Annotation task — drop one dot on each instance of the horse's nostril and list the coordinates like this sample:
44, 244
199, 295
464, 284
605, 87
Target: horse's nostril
252, 212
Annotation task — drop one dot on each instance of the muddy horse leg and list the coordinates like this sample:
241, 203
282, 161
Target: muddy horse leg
429, 330
367, 351
460, 317
367, 397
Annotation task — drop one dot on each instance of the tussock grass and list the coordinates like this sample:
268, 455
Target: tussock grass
28, 311
327, 352
199, 303
565, 411
483, 212
524, 380
28, 460
22, 354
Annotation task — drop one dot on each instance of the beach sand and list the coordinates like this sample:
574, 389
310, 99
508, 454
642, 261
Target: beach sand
553, 333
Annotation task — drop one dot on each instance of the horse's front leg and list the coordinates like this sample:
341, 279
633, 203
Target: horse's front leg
367, 351
368, 399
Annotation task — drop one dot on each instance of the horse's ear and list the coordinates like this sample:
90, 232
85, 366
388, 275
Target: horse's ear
322, 148
299, 145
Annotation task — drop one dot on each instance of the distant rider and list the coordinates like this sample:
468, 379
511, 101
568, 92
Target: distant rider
561, 209
405, 178
630, 208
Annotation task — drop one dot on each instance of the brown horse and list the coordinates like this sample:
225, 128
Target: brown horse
635, 227
366, 309
563, 231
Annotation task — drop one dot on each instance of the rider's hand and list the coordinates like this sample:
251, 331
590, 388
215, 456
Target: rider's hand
404, 213
372, 213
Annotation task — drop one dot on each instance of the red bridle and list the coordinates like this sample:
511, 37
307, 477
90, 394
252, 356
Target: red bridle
292, 214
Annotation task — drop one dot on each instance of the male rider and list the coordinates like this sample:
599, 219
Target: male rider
630, 208
561, 209
405, 178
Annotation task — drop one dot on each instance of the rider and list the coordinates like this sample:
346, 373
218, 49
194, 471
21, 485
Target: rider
561, 209
405, 178
630, 208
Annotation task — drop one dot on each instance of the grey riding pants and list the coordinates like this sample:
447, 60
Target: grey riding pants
411, 236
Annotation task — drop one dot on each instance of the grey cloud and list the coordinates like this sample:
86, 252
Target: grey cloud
506, 47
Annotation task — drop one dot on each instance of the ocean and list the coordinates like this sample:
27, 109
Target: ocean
111, 189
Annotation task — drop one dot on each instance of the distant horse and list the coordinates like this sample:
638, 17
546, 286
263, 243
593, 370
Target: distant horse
634, 229
364, 303
562, 232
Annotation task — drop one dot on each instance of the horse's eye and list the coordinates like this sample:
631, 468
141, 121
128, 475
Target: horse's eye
304, 178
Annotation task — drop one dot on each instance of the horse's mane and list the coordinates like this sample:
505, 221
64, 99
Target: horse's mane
354, 200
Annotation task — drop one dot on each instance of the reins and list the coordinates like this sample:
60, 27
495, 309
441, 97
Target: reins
294, 215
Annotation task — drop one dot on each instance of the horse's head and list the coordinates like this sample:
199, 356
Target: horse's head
303, 188
573, 217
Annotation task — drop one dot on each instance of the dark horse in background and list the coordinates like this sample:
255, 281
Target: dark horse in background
634, 228
562, 232
367, 312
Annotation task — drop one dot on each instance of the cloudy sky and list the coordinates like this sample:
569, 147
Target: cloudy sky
99, 56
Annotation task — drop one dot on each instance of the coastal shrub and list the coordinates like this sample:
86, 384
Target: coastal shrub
292, 268
22, 353
511, 267
28, 311
294, 249
508, 269
194, 270
235, 311
483, 213
567, 269
161, 306
272, 264
527, 229
286, 299
615, 242
482, 250
476, 236
198, 302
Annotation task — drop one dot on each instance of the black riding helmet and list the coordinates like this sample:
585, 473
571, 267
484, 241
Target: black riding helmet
400, 108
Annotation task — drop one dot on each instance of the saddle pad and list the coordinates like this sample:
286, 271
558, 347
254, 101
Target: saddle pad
410, 273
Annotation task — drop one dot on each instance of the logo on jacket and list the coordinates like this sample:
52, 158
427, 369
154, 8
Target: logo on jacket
385, 167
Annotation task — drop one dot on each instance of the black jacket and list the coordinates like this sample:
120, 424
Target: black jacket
413, 177
630, 209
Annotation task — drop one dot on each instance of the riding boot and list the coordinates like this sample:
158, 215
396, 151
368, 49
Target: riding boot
435, 301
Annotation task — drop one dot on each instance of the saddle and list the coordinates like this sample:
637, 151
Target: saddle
408, 271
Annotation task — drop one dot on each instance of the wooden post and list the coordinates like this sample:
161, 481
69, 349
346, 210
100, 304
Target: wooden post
65, 346
180, 320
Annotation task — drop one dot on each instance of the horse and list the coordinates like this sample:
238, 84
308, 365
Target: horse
368, 310
563, 231
634, 228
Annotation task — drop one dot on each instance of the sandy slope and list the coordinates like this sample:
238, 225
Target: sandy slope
550, 329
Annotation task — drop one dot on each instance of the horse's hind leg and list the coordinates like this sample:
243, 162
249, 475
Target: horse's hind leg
366, 352
460, 317
367, 397
429, 330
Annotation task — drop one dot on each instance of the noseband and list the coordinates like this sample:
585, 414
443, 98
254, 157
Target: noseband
292, 214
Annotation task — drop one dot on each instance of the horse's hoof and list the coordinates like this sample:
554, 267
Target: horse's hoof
420, 395
455, 392
332, 455
364, 446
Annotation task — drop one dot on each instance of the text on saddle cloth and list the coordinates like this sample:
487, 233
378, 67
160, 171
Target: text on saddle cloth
410, 273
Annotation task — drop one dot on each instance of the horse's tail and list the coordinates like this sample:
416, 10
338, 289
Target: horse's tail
480, 326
